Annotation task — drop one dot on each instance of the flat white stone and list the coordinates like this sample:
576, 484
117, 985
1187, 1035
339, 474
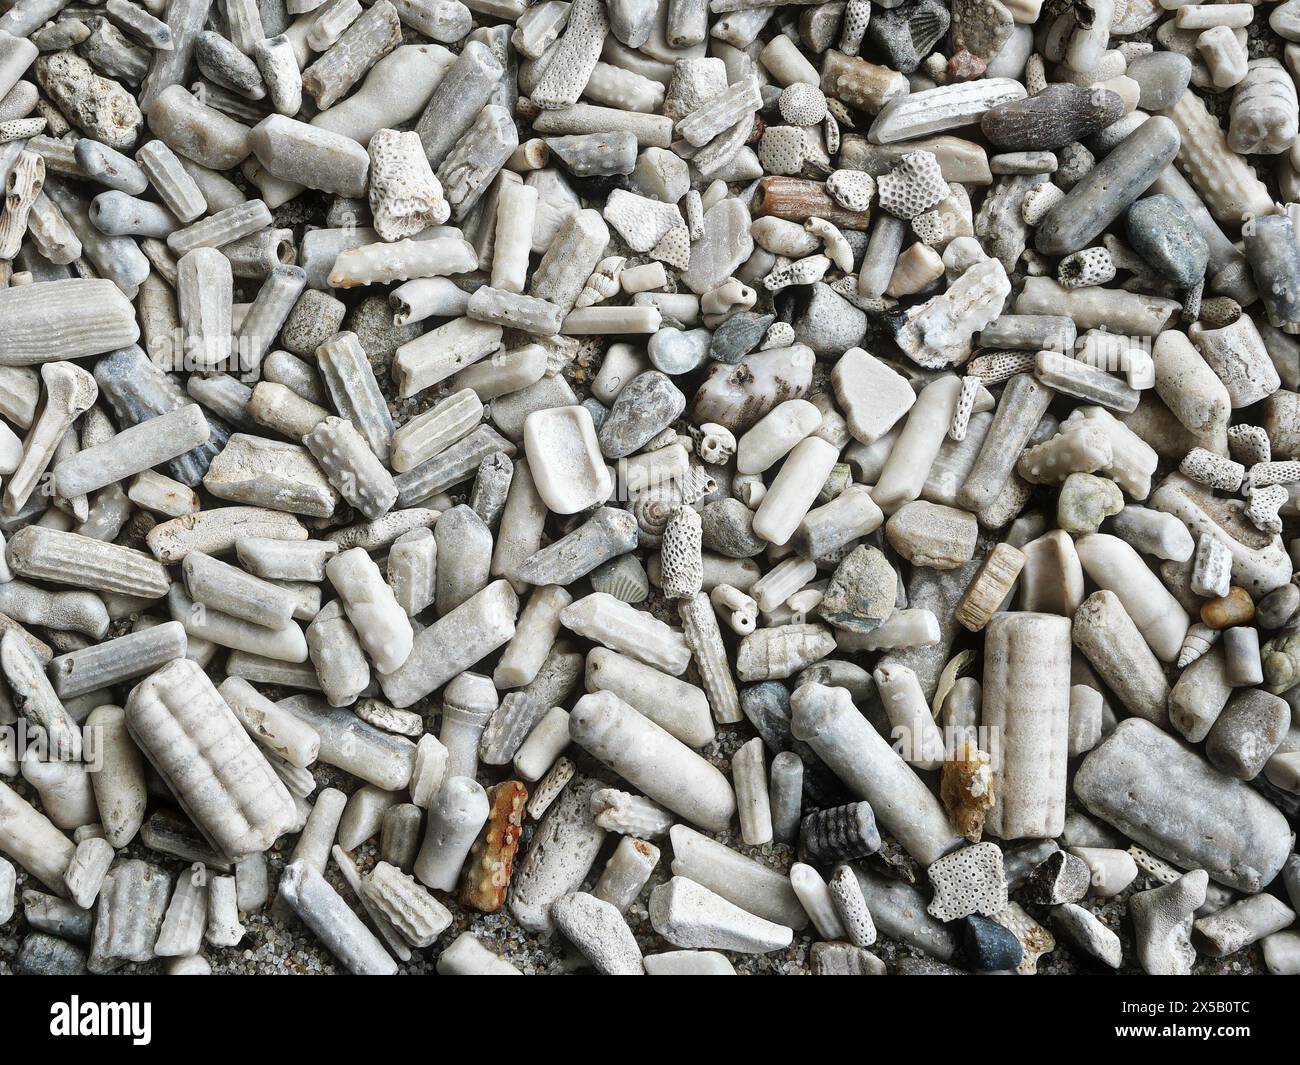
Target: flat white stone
565, 460
872, 396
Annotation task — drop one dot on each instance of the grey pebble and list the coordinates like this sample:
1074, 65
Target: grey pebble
1162, 78
1161, 231
1247, 733
862, 591
728, 529
647, 405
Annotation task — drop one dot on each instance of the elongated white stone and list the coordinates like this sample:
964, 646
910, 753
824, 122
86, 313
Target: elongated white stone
826, 719
688, 914
621, 627
453, 643
382, 625
652, 759
323, 910
946, 107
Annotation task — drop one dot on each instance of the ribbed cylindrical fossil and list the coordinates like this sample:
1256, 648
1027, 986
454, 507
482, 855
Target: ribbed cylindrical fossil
64, 320
1027, 700
69, 558
218, 775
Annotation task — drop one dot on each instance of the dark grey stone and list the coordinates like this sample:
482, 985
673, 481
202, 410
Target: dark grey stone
1052, 118
828, 323
738, 336
1163, 233
648, 404
1062, 877
728, 529
45, 955
987, 946
840, 834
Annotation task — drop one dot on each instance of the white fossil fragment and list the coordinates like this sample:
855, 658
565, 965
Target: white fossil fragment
652, 758
405, 196
194, 740
381, 625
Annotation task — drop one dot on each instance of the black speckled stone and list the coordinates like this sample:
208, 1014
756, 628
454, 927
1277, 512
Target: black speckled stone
1061, 877
925, 967
45, 955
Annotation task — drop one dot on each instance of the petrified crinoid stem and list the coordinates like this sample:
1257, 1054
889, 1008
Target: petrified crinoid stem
1108, 638
128, 915
173, 183
323, 910
204, 293
458, 100
337, 654
69, 558
106, 664
352, 466
64, 319
135, 449
700, 629
453, 643
273, 727
362, 44
992, 584
1226, 182
36, 699
827, 720
269, 312
1026, 676
181, 723
476, 158
1127, 780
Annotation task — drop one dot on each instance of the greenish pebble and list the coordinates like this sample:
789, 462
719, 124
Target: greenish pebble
1162, 79
1161, 231
862, 591
1086, 501
738, 336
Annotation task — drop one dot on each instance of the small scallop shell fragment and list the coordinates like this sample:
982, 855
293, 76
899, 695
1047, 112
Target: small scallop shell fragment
623, 577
